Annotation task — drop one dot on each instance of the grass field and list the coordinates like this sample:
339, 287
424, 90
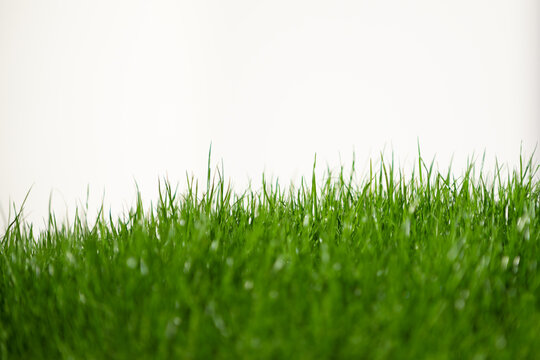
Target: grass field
430, 266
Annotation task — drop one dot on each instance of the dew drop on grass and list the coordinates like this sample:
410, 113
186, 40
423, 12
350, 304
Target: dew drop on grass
325, 257
407, 227
248, 285
144, 268
278, 265
131, 262
172, 327
220, 325
459, 304
70, 258
516, 264
214, 245
504, 262
306, 221
170, 330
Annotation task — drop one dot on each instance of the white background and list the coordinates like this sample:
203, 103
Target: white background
106, 92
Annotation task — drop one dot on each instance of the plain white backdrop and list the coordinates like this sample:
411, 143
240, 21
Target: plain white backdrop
102, 93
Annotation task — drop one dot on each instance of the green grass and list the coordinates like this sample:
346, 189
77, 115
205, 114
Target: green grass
432, 266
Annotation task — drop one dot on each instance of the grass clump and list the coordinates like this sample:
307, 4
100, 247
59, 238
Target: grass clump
427, 267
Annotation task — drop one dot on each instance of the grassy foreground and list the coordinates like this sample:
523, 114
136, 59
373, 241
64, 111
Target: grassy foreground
427, 267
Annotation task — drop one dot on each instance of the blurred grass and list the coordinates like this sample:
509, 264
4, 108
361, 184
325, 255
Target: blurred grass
427, 267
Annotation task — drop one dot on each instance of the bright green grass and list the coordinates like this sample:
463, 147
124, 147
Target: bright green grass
427, 267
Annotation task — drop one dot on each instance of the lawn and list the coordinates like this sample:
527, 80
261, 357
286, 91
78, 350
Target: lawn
434, 265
